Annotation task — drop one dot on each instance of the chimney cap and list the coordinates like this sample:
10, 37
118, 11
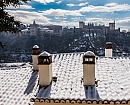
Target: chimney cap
43, 54
89, 53
35, 47
109, 43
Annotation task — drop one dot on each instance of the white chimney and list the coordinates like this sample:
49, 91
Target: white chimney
45, 68
35, 53
89, 68
108, 49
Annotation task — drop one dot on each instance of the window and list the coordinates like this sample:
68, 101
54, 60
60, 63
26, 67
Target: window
86, 59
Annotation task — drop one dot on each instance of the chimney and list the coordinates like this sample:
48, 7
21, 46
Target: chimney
35, 53
45, 68
89, 68
108, 49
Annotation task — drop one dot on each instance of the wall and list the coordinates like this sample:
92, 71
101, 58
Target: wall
79, 102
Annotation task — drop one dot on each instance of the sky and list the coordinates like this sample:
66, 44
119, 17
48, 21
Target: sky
70, 12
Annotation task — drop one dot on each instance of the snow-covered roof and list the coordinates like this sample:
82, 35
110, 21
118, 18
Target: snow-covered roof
45, 28
17, 84
25, 30
20, 84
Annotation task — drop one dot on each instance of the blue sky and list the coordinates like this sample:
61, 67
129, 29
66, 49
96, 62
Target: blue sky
70, 12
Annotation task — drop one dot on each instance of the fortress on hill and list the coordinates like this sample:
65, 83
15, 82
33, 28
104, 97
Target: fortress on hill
35, 29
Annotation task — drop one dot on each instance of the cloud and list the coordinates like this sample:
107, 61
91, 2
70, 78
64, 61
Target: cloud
124, 23
76, 19
70, 5
110, 7
21, 7
44, 1
60, 18
58, 2
97, 21
80, 4
66, 23
61, 12
28, 17
111, 4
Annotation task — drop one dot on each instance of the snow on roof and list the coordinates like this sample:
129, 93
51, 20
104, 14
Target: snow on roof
89, 53
45, 54
25, 30
112, 75
45, 28
35, 47
19, 84
108, 42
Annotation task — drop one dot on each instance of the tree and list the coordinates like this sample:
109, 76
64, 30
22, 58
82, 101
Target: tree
2, 45
8, 22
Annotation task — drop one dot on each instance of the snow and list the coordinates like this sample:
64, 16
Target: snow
89, 53
112, 75
35, 47
45, 54
19, 84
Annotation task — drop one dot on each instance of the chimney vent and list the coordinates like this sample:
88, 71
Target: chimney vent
108, 49
89, 68
45, 68
35, 53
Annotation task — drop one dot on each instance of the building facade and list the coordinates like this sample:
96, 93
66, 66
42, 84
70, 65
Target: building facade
35, 29
99, 28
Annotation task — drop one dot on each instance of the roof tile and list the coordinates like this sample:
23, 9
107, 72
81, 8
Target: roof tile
20, 84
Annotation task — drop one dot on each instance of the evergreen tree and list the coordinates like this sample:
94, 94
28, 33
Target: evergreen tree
8, 22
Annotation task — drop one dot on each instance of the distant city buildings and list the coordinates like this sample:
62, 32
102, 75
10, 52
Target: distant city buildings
35, 29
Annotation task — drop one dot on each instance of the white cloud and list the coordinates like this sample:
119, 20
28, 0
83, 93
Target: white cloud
76, 19
111, 7
58, 2
80, 4
97, 21
44, 1
111, 4
60, 18
28, 17
70, 5
60, 12
66, 23
124, 23
21, 7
